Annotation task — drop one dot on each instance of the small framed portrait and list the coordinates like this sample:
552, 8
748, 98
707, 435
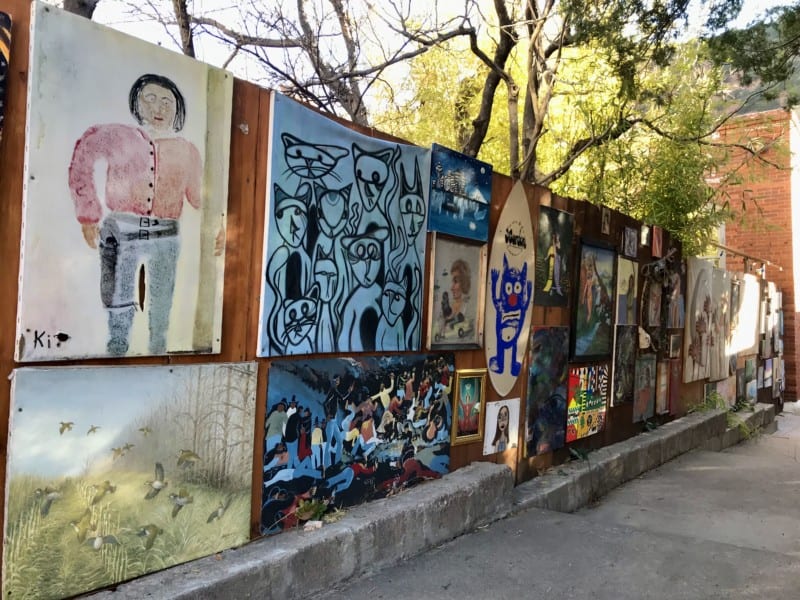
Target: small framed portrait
501, 426
456, 295
605, 220
593, 314
675, 343
468, 406
630, 242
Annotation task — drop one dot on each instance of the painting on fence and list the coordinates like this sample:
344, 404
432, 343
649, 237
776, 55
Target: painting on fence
547, 390
460, 193
587, 397
342, 431
468, 406
645, 393
745, 314
501, 426
114, 472
554, 258
675, 368
662, 387
456, 294
508, 309
5, 56
593, 316
627, 286
675, 297
344, 238
625, 346
697, 336
719, 365
125, 201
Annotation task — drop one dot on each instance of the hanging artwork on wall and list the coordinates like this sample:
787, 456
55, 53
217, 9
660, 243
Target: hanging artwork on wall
511, 271
114, 472
626, 343
587, 396
630, 242
719, 364
726, 388
627, 286
468, 406
547, 390
658, 241
697, 334
344, 238
456, 294
675, 368
644, 395
5, 56
675, 342
554, 258
662, 387
125, 201
502, 426
745, 315
675, 296
594, 307
341, 431
741, 391
460, 193
653, 303
768, 373
605, 220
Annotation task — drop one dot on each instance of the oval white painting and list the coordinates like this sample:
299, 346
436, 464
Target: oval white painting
509, 292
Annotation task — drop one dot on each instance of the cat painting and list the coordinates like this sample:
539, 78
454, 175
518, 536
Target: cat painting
511, 300
311, 161
391, 332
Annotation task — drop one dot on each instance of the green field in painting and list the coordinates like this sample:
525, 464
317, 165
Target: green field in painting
44, 557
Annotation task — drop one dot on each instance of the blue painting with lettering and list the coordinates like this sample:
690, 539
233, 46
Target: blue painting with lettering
460, 192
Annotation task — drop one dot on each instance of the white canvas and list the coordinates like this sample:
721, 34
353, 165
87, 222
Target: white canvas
504, 437
81, 77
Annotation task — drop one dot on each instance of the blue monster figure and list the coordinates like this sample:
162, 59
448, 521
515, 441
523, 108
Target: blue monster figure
511, 302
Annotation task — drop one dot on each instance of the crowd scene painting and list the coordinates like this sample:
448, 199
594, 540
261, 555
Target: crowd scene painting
342, 431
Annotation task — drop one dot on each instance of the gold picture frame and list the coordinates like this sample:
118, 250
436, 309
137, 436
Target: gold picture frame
469, 406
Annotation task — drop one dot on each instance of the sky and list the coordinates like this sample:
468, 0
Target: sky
113, 13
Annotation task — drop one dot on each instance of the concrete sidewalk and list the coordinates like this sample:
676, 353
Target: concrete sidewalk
384, 533
706, 525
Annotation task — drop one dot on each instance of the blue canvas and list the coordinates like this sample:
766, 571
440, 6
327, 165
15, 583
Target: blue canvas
344, 238
341, 431
460, 192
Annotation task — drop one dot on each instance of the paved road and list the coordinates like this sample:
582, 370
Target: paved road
707, 525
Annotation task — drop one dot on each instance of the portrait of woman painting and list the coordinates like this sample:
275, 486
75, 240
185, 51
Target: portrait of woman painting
456, 294
593, 314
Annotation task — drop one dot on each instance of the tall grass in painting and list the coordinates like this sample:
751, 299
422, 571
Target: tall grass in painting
99, 528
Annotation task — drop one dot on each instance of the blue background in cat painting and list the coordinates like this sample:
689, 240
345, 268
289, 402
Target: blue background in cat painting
472, 221
293, 118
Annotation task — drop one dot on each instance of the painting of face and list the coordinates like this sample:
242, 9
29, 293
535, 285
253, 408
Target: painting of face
501, 426
157, 107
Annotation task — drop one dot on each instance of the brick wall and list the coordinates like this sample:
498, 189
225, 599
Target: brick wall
763, 202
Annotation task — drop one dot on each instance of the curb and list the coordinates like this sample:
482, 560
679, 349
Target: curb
381, 533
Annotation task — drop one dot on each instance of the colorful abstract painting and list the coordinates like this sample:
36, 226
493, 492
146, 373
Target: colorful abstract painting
457, 294
344, 238
5, 57
342, 431
501, 426
625, 346
554, 258
508, 303
114, 472
460, 193
645, 392
587, 397
627, 286
468, 406
593, 315
697, 337
125, 201
547, 390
